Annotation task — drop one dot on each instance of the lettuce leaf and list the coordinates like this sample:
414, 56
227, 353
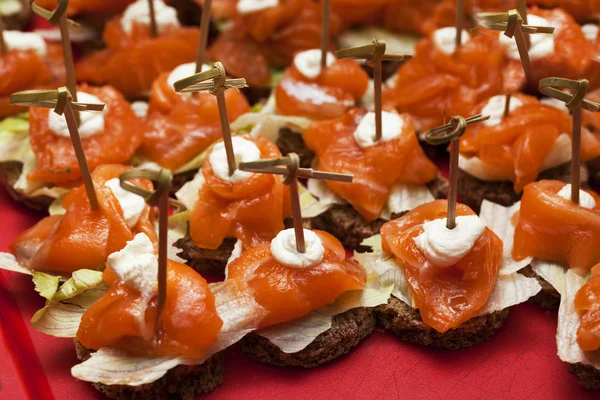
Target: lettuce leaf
188, 194
177, 229
499, 219
553, 273
10, 7
8, 262
64, 307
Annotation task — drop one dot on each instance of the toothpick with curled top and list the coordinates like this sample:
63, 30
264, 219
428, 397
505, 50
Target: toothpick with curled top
215, 82
290, 167
374, 54
59, 16
512, 24
575, 102
63, 102
160, 197
3, 46
452, 132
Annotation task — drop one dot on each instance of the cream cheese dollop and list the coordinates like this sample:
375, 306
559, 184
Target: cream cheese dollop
184, 71
445, 39
585, 199
250, 6
136, 265
308, 62
91, 122
131, 203
16, 40
139, 12
445, 247
590, 31
391, 128
140, 109
283, 249
244, 151
542, 44
552, 102
495, 109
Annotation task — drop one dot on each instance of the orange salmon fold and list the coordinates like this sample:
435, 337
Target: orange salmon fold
189, 319
376, 169
328, 96
587, 304
180, 127
56, 161
82, 238
131, 62
287, 293
552, 228
445, 297
251, 211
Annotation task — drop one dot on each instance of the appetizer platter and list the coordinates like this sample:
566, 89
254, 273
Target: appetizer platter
247, 199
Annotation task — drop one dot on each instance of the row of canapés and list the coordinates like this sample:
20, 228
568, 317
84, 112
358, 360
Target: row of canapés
424, 282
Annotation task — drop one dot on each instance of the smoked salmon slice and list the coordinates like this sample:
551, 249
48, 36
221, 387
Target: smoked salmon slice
554, 229
376, 169
433, 84
446, 297
587, 304
328, 96
581, 10
517, 146
353, 12
77, 7
82, 238
287, 293
251, 211
131, 62
180, 127
56, 161
25, 70
189, 320
270, 37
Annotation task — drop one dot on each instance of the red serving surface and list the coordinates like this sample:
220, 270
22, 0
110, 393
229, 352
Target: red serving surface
519, 362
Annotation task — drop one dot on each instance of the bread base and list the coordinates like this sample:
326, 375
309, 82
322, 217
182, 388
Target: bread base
182, 382
346, 332
472, 191
11, 171
548, 298
292, 142
588, 376
350, 228
206, 261
406, 323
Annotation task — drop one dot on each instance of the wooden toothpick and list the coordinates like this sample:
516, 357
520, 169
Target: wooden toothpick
325, 32
522, 9
3, 46
374, 54
152, 14
215, 82
507, 98
451, 133
204, 25
290, 167
460, 18
574, 102
160, 197
59, 17
512, 24
62, 103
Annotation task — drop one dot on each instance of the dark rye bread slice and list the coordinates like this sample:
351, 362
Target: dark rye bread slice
346, 332
406, 323
212, 262
593, 167
292, 142
472, 191
181, 179
350, 228
182, 382
205, 261
10, 175
588, 376
548, 298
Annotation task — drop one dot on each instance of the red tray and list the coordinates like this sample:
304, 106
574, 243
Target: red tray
519, 362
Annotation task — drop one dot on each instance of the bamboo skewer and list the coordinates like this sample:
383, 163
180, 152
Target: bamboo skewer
62, 102
215, 82
3, 46
451, 133
576, 103
152, 15
290, 167
204, 25
325, 32
374, 54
